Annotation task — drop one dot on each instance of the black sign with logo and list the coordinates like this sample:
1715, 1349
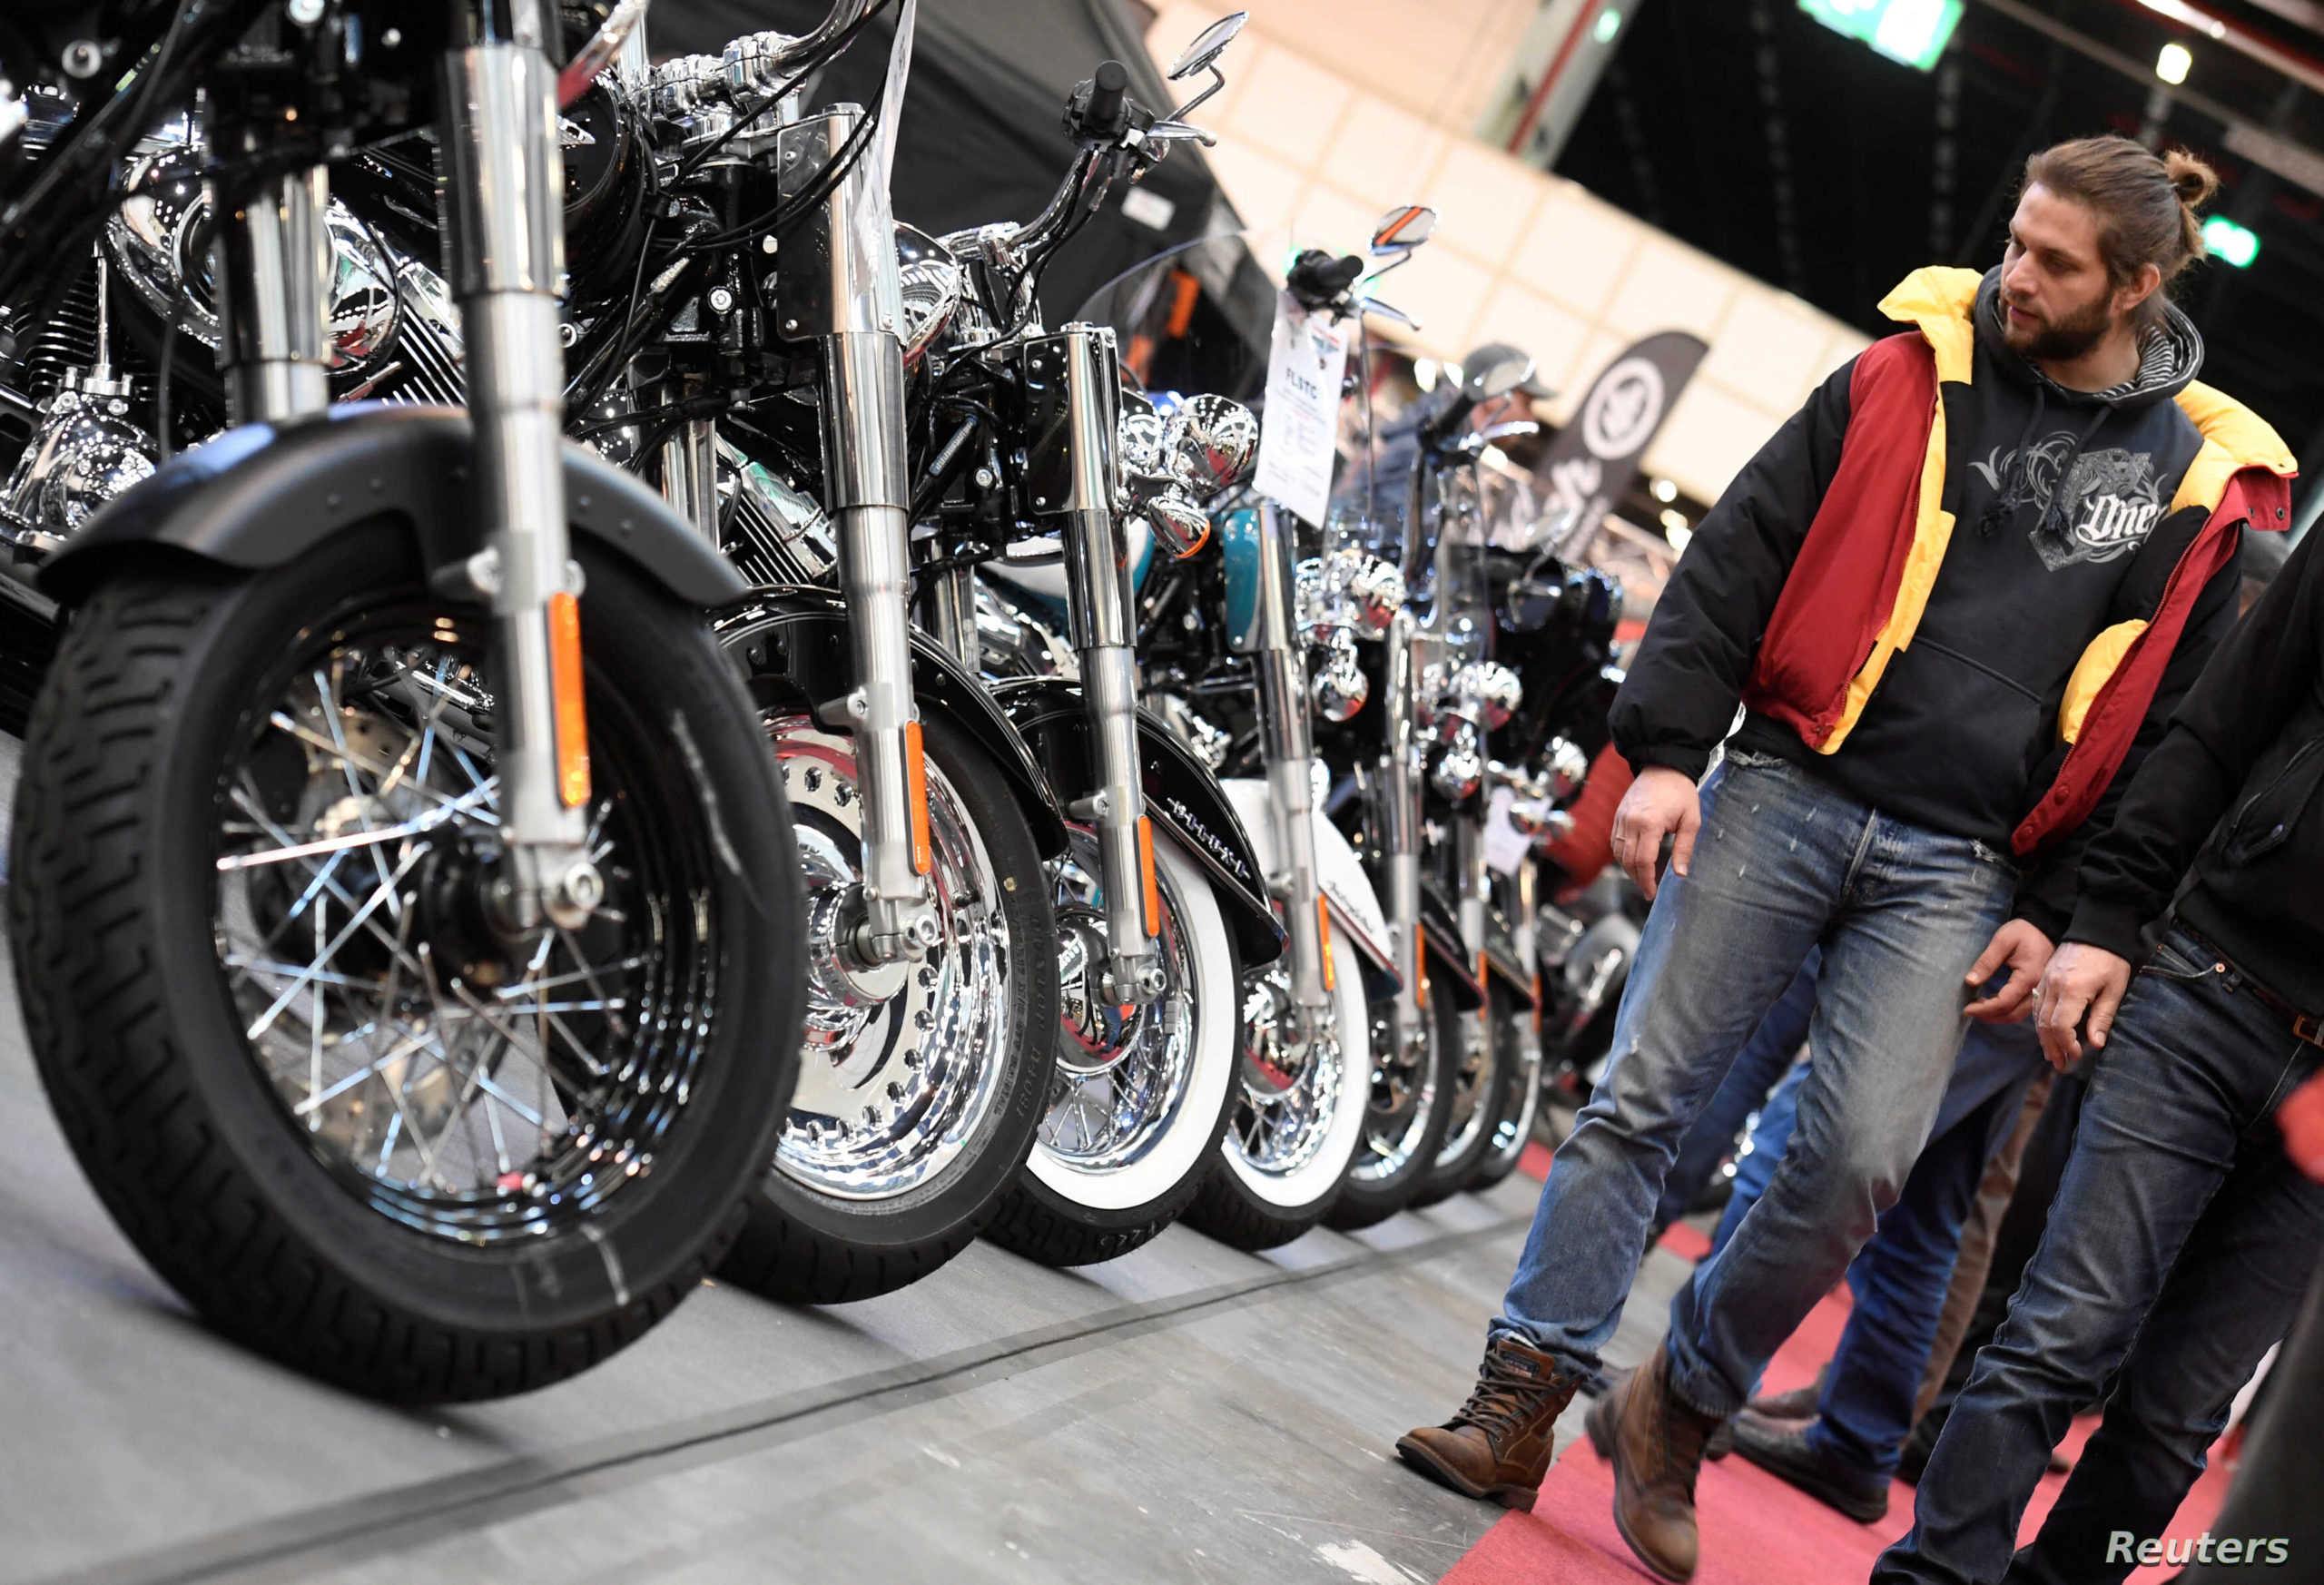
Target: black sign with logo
1591, 464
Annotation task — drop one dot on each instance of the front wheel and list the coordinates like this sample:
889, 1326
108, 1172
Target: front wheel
922, 1082
1297, 1115
361, 1120
1481, 1097
1406, 1116
1512, 1130
1140, 1093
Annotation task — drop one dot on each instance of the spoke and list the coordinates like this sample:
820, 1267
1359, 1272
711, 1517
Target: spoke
596, 985
266, 1020
371, 837
511, 1102
551, 982
283, 724
422, 1041
333, 712
250, 965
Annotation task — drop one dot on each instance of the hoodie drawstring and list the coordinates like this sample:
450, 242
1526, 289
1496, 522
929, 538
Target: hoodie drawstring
2006, 500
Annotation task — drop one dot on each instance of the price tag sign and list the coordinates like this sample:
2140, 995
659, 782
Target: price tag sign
1505, 846
1299, 431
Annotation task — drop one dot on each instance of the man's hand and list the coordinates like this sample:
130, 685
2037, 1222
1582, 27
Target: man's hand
1662, 801
2082, 981
2020, 949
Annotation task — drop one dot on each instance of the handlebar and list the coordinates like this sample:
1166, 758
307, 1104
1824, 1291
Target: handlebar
593, 57
1109, 91
1318, 280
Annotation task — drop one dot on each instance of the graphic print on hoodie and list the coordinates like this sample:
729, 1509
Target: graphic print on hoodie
2054, 495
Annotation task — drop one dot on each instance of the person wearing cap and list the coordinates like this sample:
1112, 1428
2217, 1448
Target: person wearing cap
1955, 596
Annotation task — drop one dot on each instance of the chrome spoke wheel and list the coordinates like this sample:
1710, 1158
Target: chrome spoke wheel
1402, 1099
1122, 1070
902, 1062
1291, 1084
471, 1079
1475, 1077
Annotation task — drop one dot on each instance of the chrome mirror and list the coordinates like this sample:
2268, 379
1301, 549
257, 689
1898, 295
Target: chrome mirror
1203, 56
1402, 230
1211, 444
1209, 44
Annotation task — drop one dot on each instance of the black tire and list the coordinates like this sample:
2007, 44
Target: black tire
1230, 1206
1059, 1214
1367, 1199
1514, 1121
159, 679
1456, 1168
803, 1246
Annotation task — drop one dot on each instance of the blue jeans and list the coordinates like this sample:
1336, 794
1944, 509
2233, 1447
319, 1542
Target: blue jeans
1783, 862
1899, 1280
2177, 1252
1765, 1059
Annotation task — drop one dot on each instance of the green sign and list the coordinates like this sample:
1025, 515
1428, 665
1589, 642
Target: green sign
2231, 243
1913, 32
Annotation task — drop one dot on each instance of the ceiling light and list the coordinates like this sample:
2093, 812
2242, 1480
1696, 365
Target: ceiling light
1664, 490
2231, 243
2172, 64
1610, 22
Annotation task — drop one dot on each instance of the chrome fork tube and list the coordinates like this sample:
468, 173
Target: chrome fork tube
845, 294
1524, 937
272, 259
690, 475
505, 197
1077, 489
1287, 749
1400, 783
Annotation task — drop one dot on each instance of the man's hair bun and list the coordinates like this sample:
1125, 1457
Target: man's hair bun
2191, 178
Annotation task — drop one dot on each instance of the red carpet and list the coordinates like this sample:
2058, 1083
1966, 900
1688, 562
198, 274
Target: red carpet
1756, 1530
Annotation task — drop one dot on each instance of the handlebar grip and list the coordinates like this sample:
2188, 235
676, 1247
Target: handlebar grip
1105, 93
1437, 431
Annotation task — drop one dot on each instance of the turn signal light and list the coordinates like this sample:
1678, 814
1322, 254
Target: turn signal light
1146, 873
923, 851
564, 683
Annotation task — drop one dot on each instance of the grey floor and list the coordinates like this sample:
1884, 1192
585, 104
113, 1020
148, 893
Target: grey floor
1185, 1413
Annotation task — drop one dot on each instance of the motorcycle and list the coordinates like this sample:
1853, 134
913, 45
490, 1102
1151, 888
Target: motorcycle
414, 981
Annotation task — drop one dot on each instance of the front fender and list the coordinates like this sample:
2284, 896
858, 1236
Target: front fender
1339, 875
801, 634
263, 494
1181, 796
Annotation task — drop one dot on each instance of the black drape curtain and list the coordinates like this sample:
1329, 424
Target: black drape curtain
983, 137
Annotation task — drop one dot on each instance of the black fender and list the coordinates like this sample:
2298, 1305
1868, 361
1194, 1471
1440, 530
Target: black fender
1501, 963
1450, 972
1181, 796
263, 494
801, 634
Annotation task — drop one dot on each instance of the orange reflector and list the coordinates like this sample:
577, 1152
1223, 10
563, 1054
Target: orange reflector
1537, 1001
1420, 990
1146, 873
565, 686
1324, 933
923, 852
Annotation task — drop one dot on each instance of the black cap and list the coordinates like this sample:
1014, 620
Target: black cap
1495, 352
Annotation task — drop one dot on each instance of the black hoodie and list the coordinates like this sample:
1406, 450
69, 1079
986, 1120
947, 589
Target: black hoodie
2055, 495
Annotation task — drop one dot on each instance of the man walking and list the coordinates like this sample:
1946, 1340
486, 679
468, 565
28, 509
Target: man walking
1987, 555
2182, 1237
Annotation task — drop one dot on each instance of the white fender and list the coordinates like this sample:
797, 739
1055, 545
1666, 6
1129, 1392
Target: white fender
1347, 889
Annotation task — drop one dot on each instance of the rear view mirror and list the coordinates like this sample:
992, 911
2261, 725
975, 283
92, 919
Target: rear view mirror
1499, 378
1208, 46
1402, 230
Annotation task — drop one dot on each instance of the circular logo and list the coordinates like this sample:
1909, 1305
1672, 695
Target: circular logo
1623, 409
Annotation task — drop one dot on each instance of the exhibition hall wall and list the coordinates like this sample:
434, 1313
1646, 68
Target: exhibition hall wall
1334, 111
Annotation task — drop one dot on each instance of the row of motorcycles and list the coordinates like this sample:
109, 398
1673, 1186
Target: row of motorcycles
597, 711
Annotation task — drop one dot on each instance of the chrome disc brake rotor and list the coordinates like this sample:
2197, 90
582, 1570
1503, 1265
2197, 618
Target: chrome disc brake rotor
902, 1062
1122, 1069
1290, 1078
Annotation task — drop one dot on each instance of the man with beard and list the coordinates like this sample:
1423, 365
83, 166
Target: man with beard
1956, 595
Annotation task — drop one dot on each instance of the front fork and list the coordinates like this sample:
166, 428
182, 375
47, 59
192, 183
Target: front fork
1071, 475
1287, 749
505, 197
844, 292
1400, 781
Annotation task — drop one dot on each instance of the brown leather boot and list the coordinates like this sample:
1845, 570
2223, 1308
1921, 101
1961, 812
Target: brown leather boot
1656, 1445
1498, 1445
